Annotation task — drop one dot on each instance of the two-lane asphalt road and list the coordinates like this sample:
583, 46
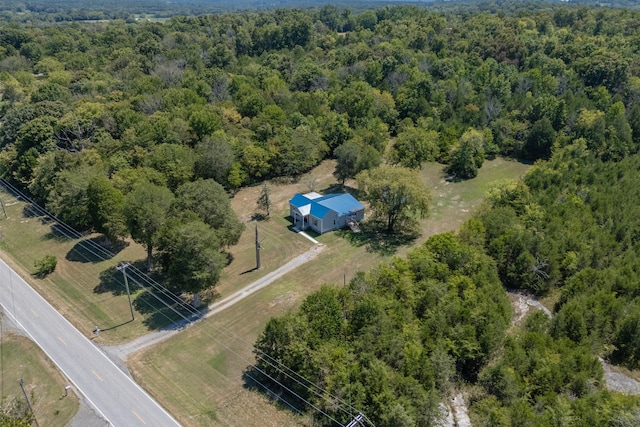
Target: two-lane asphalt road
114, 395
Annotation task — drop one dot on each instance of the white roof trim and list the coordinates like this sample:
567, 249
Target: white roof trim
304, 210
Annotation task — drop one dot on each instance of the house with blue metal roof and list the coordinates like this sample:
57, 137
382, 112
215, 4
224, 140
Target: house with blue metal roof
324, 213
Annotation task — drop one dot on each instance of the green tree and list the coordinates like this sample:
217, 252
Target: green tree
346, 160
190, 254
68, 197
207, 199
264, 201
45, 266
414, 146
540, 140
146, 209
237, 176
591, 125
105, 204
603, 67
369, 158
298, 151
468, 156
176, 162
397, 195
336, 131
38, 134
204, 122
256, 161
50, 92
215, 159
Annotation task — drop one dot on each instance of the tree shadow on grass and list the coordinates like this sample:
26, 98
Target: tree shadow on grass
255, 380
339, 189
165, 310
94, 249
53, 235
376, 240
112, 279
161, 308
30, 211
259, 217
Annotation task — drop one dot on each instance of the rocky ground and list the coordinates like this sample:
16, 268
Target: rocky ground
615, 381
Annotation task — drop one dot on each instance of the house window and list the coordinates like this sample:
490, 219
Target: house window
334, 222
315, 222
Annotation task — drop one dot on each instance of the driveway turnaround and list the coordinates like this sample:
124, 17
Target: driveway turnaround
115, 396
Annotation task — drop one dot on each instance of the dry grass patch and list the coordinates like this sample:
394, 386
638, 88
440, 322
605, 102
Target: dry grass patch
73, 287
198, 374
22, 359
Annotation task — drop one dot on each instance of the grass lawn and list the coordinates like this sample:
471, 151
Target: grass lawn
44, 386
198, 374
86, 290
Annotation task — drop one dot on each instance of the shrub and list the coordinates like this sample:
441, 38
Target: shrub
45, 266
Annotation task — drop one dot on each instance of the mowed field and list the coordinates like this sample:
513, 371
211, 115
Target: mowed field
23, 360
88, 291
198, 374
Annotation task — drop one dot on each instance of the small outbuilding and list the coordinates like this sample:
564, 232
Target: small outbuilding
325, 213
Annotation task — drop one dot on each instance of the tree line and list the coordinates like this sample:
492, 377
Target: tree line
244, 97
144, 129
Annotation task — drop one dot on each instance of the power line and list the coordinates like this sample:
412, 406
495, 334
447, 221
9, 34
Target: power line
33, 414
102, 253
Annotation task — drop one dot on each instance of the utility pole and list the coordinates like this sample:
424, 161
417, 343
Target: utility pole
123, 267
258, 266
3, 209
357, 421
28, 402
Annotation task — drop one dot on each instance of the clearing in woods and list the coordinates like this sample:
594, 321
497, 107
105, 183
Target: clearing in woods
198, 374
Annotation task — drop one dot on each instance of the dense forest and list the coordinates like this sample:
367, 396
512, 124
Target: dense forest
398, 339
144, 129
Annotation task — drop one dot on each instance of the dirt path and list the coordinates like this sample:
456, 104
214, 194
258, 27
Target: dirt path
122, 351
459, 411
615, 381
522, 303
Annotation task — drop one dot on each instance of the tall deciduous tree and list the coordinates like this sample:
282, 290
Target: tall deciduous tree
174, 161
146, 209
540, 139
397, 195
346, 160
190, 253
215, 159
68, 198
207, 199
105, 204
415, 146
468, 156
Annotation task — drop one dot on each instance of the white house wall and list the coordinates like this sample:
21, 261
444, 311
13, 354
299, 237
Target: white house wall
330, 221
315, 224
